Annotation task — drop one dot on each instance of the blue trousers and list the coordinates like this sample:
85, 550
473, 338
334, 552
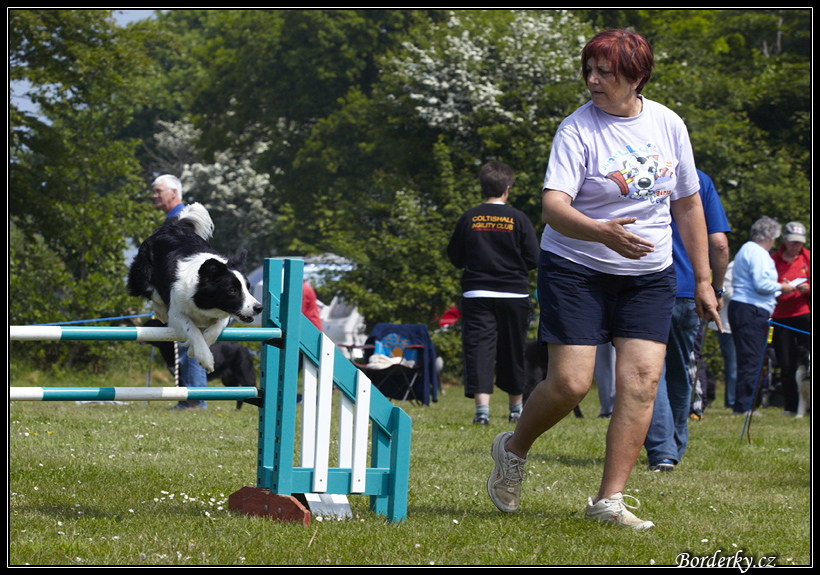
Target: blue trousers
750, 330
604, 374
668, 433
191, 374
727, 350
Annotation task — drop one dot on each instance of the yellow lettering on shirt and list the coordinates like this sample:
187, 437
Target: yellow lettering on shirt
493, 223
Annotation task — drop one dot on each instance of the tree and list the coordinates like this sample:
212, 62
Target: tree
740, 80
361, 132
389, 173
230, 188
72, 182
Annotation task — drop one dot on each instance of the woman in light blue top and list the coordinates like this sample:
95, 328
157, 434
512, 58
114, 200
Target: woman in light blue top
755, 285
755, 278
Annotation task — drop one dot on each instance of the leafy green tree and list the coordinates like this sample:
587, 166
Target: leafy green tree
386, 176
740, 80
494, 84
230, 188
72, 182
253, 83
359, 132
282, 70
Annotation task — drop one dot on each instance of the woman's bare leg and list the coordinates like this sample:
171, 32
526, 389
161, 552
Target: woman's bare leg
569, 378
638, 368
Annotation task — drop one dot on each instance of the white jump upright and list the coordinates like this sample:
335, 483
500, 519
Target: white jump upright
367, 421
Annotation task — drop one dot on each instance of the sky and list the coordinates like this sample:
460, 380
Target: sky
124, 17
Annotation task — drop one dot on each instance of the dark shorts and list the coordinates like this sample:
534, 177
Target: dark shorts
580, 306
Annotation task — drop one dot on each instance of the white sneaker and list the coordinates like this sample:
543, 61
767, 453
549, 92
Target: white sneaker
504, 485
614, 511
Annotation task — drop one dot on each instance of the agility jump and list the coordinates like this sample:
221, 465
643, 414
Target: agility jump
286, 335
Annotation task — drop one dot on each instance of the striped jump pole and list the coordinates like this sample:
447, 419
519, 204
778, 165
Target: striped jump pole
283, 490
131, 393
61, 333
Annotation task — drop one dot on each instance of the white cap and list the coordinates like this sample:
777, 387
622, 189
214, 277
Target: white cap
795, 232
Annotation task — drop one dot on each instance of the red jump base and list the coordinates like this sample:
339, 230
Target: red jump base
262, 503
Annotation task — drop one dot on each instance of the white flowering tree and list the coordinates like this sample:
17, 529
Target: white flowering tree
491, 67
392, 170
494, 84
230, 187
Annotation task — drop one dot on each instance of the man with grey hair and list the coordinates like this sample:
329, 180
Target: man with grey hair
755, 288
167, 195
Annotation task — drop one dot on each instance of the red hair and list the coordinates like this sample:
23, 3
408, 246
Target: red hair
627, 52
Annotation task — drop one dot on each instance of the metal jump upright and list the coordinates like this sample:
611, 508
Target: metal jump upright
278, 478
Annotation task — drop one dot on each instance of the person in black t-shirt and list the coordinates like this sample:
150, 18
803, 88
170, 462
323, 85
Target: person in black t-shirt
496, 246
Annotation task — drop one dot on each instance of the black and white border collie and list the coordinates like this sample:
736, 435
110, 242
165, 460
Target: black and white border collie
193, 289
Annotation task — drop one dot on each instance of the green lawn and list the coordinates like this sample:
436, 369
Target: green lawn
135, 484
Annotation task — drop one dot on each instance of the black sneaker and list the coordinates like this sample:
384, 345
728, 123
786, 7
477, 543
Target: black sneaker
481, 420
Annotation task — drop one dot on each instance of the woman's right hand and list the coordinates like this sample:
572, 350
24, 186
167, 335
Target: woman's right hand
558, 212
616, 237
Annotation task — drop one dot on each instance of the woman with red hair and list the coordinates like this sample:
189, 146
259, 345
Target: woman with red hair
620, 167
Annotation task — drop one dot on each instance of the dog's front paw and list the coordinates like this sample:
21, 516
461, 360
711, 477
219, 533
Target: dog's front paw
208, 367
205, 360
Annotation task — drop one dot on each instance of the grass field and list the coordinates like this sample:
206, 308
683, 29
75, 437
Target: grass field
136, 484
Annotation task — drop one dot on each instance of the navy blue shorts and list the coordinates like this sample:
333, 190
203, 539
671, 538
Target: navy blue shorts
580, 306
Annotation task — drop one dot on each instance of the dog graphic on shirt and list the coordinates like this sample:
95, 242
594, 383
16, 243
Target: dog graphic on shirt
639, 175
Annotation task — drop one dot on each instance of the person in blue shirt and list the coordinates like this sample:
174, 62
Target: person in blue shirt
755, 290
668, 434
167, 195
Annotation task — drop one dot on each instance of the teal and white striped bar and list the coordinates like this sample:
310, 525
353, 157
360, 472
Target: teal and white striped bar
131, 393
62, 333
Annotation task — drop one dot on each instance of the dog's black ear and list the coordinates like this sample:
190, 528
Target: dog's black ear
211, 269
237, 261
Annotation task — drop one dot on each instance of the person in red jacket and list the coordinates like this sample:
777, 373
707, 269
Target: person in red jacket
310, 305
792, 315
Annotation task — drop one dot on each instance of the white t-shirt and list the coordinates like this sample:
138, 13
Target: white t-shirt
616, 167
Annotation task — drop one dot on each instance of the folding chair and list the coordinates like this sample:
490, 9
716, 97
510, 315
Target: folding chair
400, 361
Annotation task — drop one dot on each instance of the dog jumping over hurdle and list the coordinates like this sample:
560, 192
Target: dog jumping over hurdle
233, 363
193, 289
